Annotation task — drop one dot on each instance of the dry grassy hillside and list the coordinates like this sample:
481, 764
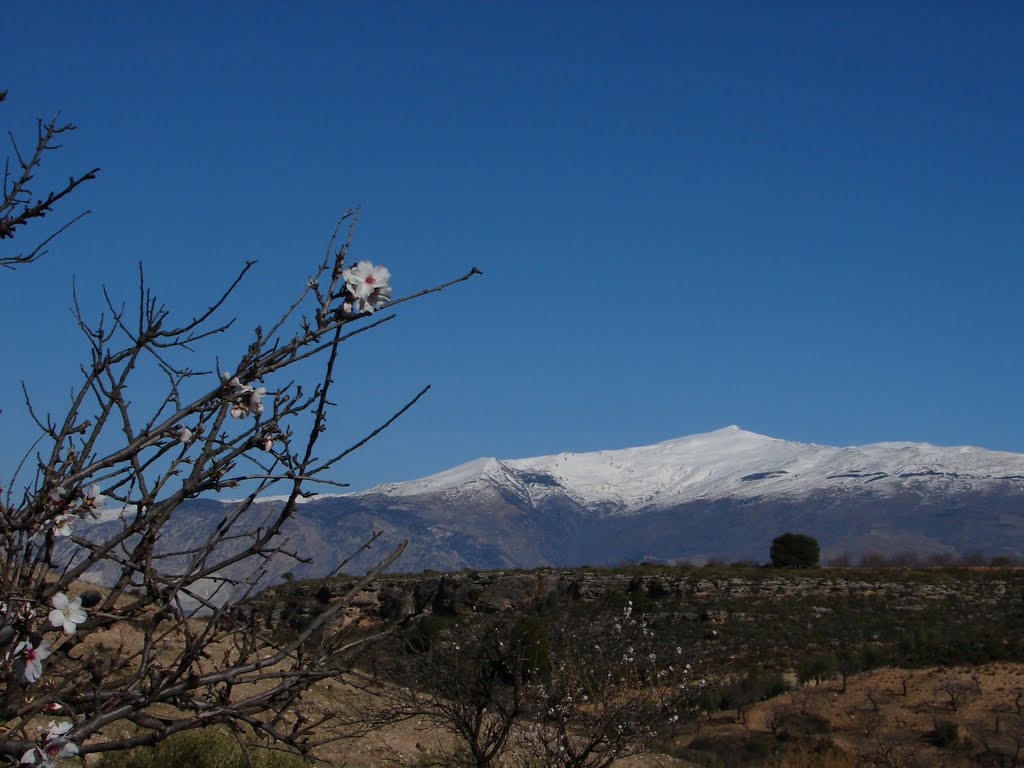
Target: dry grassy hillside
885, 717
914, 668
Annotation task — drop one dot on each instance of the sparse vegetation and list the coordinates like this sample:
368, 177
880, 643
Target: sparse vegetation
203, 748
549, 685
752, 634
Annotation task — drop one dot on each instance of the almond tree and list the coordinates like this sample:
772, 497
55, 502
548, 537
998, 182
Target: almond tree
567, 692
610, 690
158, 652
470, 683
18, 205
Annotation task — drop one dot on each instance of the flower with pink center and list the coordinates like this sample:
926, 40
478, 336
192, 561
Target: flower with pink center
30, 659
67, 613
92, 498
56, 495
62, 525
55, 747
364, 278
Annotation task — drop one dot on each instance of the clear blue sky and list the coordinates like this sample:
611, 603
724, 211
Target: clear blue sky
805, 218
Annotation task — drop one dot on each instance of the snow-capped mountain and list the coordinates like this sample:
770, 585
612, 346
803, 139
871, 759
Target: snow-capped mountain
726, 463
724, 494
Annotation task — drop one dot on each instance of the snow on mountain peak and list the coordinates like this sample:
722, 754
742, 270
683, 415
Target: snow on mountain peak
463, 474
727, 462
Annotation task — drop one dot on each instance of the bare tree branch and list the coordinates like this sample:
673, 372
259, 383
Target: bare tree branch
184, 658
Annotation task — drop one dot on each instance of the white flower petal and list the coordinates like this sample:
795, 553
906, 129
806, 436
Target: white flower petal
56, 729
364, 278
67, 614
70, 749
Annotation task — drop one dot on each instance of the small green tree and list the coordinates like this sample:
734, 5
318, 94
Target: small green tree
795, 550
816, 667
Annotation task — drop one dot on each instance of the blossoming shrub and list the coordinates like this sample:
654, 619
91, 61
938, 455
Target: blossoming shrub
157, 651
547, 689
610, 690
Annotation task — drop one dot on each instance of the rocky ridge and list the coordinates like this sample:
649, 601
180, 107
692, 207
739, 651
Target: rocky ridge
695, 594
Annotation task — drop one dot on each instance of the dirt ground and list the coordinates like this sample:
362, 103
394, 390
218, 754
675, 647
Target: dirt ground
884, 717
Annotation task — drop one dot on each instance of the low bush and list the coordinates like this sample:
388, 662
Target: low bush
791, 725
202, 748
743, 751
946, 733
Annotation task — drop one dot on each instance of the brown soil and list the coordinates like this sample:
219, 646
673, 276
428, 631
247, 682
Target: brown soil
884, 717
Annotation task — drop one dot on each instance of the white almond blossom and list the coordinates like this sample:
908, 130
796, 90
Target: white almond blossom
377, 299
55, 746
67, 613
31, 659
246, 399
185, 435
91, 498
364, 278
62, 525
56, 730
255, 400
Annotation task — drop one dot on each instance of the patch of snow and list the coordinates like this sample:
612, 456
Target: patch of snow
458, 477
729, 462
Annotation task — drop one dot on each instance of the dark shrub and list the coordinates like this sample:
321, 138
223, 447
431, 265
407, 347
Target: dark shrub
946, 733
795, 550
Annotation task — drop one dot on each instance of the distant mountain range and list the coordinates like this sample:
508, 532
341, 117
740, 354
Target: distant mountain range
723, 495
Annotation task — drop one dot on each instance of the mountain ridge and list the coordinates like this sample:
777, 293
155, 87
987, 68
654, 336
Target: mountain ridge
729, 462
721, 495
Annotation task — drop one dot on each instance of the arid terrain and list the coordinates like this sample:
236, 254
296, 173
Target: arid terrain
889, 667
885, 717
824, 667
